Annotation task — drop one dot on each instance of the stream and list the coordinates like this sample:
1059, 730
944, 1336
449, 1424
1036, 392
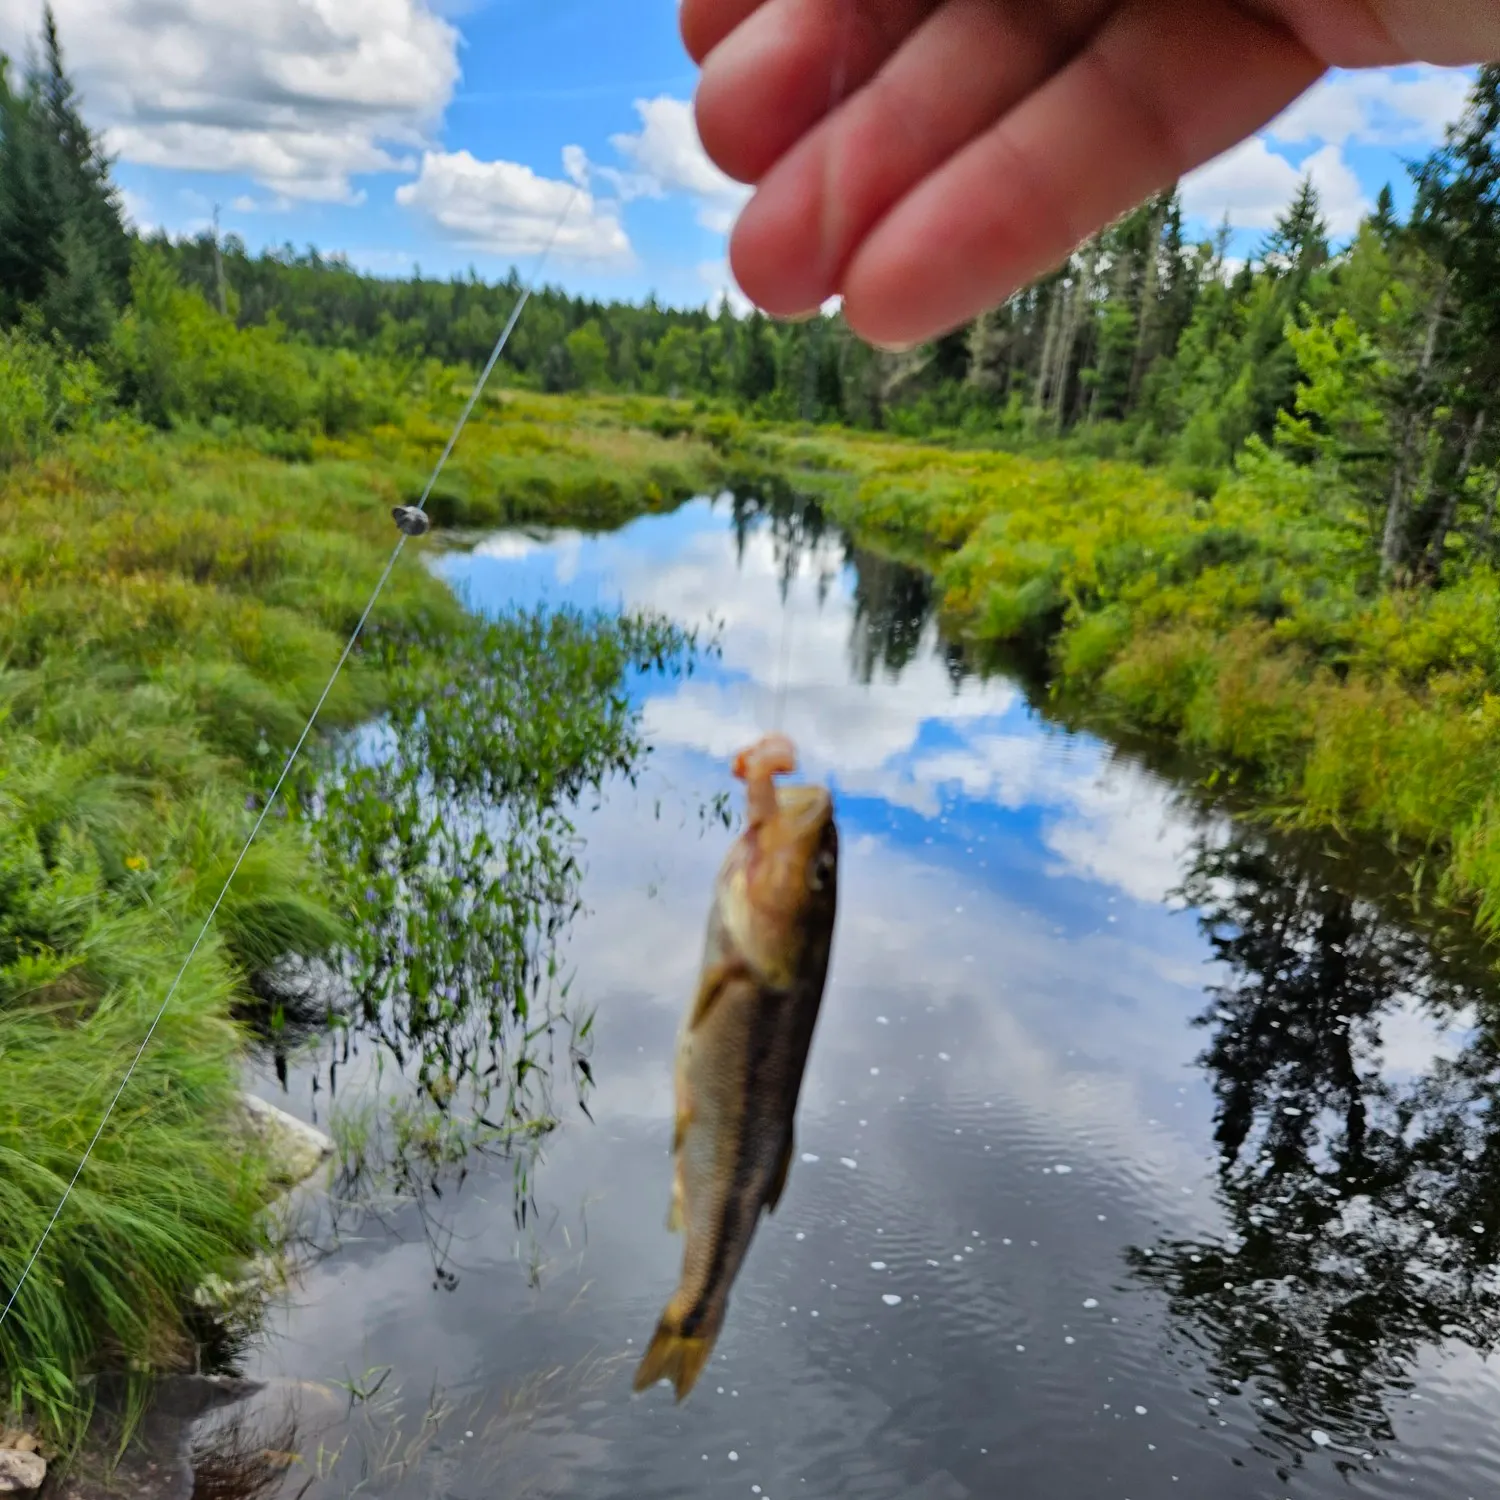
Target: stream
1140, 1154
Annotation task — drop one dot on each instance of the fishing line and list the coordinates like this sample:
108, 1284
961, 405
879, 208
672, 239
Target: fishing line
837, 86
420, 507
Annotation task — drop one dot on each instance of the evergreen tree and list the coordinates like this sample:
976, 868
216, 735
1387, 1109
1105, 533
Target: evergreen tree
64, 249
1298, 245
755, 377
1383, 221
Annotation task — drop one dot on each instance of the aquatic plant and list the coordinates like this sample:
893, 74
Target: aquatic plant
455, 835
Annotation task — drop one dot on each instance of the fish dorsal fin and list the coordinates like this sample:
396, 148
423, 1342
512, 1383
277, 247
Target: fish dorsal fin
778, 1183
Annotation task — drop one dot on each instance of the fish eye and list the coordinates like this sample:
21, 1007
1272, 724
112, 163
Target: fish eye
820, 869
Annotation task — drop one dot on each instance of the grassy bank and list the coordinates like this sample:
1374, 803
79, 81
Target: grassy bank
1248, 626
172, 603
170, 607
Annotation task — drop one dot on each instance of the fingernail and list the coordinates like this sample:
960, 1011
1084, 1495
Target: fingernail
894, 348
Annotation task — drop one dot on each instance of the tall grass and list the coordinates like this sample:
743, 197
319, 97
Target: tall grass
171, 605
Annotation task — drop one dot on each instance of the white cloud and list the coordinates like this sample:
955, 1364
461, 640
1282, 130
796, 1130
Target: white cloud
718, 277
1253, 185
1381, 107
302, 97
504, 208
1376, 107
138, 210
668, 157
576, 165
1103, 821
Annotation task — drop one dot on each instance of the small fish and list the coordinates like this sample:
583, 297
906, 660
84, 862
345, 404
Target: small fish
743, 1048
412, 521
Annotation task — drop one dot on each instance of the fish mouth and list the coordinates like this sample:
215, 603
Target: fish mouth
805, 808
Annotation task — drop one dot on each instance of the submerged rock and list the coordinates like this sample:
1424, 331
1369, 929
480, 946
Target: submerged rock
159, 1461
296, 1149
21, 1472
296, 1152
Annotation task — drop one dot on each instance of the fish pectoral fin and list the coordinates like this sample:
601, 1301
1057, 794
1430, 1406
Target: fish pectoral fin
710, 988
778, 1183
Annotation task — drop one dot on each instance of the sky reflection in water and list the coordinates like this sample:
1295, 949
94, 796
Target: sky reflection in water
1010, 1259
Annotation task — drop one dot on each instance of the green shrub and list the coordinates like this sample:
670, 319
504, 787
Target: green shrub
44, 392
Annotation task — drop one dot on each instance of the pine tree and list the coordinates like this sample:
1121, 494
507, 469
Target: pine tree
1383, 221
1298, 245
64, 249
756, 375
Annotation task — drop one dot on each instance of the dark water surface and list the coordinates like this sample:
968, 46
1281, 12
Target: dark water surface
1139, 1156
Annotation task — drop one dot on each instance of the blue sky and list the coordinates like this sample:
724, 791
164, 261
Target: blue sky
451, 133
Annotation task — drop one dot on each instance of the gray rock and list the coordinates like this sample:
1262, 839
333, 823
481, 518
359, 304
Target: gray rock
158, 1462
296, 1149
21, 1472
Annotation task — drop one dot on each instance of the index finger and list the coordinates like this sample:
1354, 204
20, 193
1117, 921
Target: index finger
705, 23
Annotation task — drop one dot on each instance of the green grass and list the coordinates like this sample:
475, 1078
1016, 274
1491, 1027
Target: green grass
170, 608
171, 605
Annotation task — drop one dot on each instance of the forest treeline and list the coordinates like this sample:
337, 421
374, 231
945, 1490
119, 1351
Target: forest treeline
1371, 360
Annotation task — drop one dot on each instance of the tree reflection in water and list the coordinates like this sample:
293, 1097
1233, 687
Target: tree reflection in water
1361, 1186
893, 604
1361, 1195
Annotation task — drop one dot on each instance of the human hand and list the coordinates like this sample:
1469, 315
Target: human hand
978, 142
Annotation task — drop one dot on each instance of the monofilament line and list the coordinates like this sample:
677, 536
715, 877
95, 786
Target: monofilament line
286, 770
838, 84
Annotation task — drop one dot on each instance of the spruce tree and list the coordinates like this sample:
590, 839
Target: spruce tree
1298, 245
756, 376
1383, 221
64, 249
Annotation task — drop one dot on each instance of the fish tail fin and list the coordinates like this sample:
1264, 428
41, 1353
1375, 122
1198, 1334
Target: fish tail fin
674, 1356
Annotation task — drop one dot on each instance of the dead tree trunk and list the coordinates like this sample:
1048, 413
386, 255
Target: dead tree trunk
1392, 544
1449, 512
